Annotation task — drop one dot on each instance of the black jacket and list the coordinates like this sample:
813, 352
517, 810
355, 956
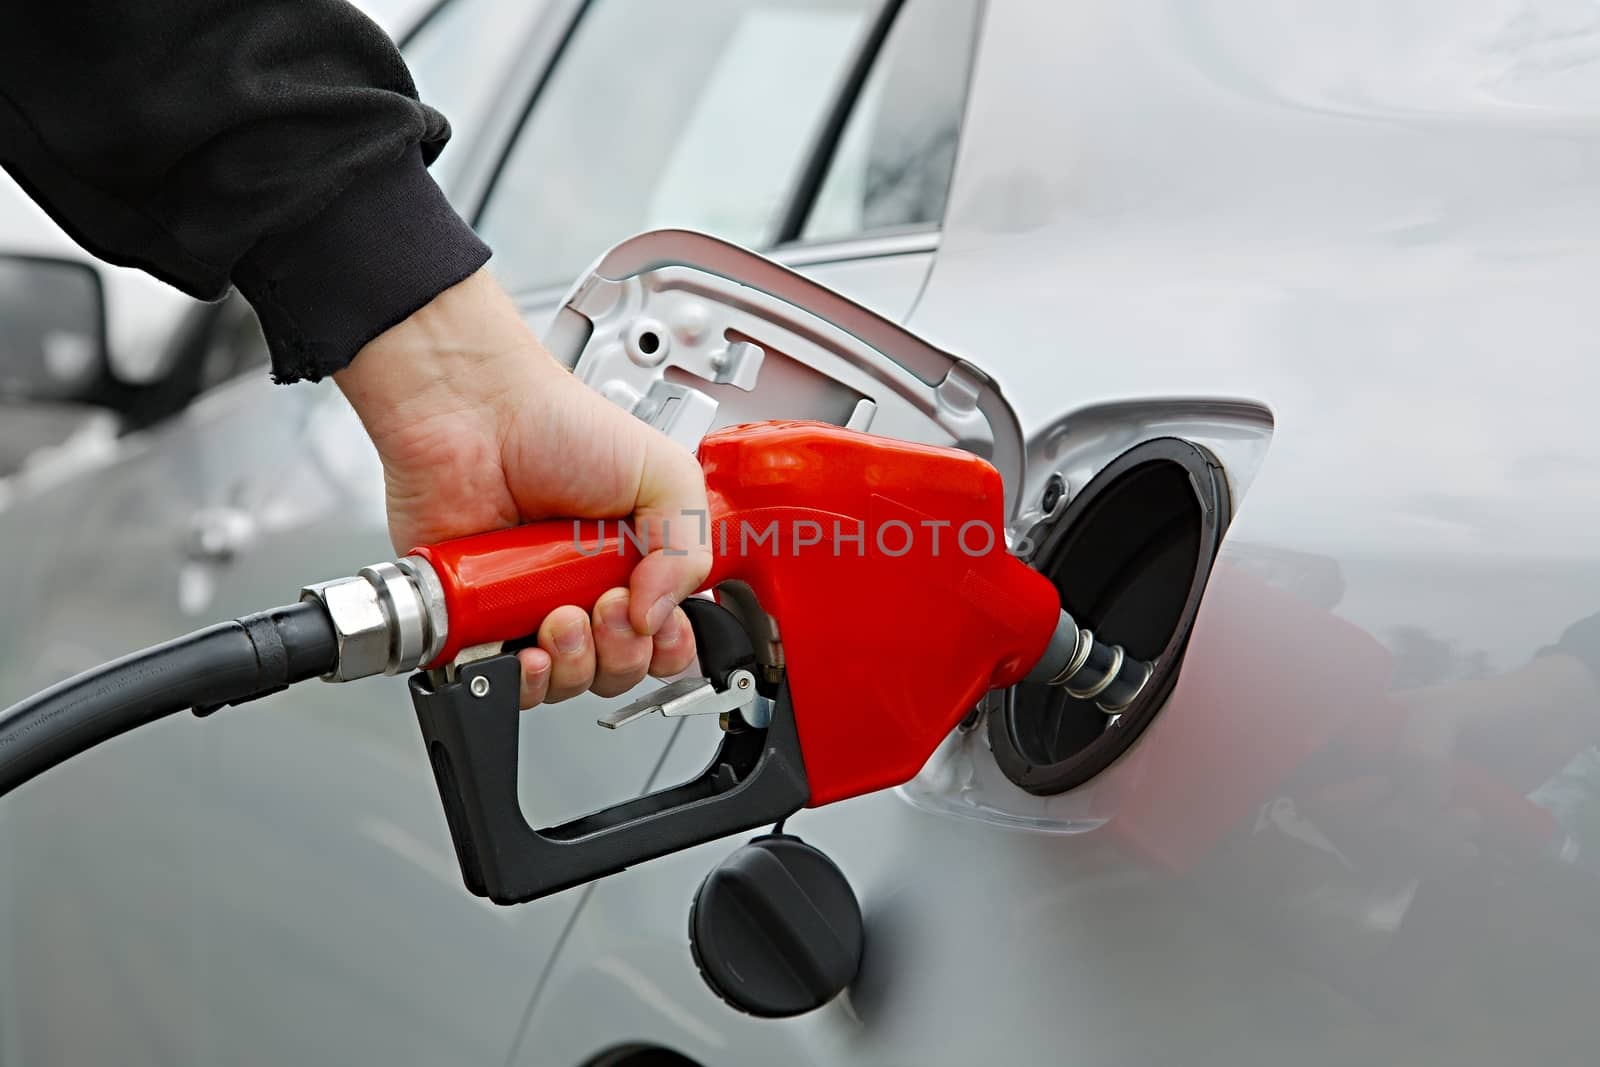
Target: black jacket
275, 144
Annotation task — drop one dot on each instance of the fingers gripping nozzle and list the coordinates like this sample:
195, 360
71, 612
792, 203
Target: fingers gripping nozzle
1089, 668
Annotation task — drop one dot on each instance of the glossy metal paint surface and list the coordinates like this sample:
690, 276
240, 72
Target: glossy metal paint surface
1373, 842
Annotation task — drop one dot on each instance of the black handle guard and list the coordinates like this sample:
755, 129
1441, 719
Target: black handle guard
756, 778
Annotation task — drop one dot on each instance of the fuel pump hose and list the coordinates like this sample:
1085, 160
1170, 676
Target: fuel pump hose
229, 663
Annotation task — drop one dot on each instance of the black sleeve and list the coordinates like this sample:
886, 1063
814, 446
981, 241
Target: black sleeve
276, 144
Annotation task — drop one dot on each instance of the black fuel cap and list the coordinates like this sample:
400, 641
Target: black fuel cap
775, 928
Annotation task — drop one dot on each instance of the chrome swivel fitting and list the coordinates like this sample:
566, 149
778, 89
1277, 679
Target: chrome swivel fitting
389, 618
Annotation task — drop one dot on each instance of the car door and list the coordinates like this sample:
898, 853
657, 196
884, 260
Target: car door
339, 929
101, 874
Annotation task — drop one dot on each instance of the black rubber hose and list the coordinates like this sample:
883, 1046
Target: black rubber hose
225, 664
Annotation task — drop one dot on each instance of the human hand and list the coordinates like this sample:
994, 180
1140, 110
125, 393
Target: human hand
479, 428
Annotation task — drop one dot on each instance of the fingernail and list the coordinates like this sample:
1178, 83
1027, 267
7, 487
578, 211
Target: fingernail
658, 613
669, 636
615, 615
569, 639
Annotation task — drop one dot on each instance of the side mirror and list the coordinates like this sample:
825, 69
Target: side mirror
53, 331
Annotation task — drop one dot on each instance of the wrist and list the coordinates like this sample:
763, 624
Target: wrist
465, 351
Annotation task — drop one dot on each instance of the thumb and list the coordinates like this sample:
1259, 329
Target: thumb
671, 508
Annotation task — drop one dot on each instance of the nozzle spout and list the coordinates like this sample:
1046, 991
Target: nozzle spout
1089, 668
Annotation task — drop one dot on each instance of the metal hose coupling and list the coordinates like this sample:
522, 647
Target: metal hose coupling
389, 618
1089, 669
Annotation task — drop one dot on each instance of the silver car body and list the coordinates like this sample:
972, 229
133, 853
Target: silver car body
1350, 249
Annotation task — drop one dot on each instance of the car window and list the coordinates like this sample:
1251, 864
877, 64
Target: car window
892, 167
693, 113
457, 58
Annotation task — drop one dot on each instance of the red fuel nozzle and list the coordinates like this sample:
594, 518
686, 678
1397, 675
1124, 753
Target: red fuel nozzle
867, 601
883, 564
